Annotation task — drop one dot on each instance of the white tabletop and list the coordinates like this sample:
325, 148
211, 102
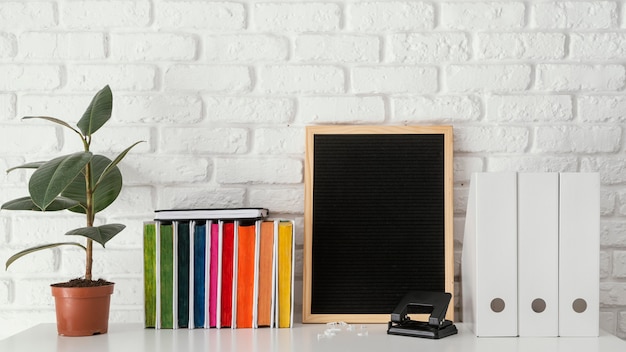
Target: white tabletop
312, 337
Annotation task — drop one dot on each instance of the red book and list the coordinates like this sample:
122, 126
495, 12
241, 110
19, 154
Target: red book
245, 274
228, 246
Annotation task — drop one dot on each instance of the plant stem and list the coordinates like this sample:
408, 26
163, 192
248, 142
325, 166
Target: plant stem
90, 219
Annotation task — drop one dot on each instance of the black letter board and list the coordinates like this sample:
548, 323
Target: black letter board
378, 219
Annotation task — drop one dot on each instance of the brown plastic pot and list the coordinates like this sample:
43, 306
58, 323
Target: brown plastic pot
82, 311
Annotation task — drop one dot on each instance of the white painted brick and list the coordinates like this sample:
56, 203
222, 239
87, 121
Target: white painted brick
621, 196
15, 319
119, 77
153, 47
49, 227
296, 17
66, 107
578, 139
250, 109
605, 265
34, 263
141, 170
233, 79
395, 79
90, 14
106, 261
127, 292
132, 235
337, 48
574, 15
619, 264
491, 139
521, 46
40, 139
16, 177
110, 141
382, 16
266, 170
529, 108
613, 293
201, 197
612, 169
212, 16
131, 200
7, 107
6, 290
464, 167
285, 79
66, 46
281, 141
202, 141
621, 333
602, 108
29, 77
341, 109
157, 108
15, 15
8, 45
429, 47
482, 15
246, 48
281, 200
608, 321
612, 233
533, 164
607, 202
4, 221
575, 77
34, 293
443, 108
125, 313
490, 78
597, 46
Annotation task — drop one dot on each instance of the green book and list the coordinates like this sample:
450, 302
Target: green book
167, 276
183, 274
149, 273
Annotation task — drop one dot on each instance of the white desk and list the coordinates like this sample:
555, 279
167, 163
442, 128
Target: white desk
134, 338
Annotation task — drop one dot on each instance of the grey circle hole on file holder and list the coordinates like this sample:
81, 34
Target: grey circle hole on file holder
497, 305
579, 305
538, 305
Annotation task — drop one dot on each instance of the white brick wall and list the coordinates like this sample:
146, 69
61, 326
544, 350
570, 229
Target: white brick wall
222, 90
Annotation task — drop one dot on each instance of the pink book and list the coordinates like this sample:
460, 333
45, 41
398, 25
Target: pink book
214, 257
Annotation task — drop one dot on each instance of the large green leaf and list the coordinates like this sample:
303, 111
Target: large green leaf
107, 191
26, 203
98, 112
51, 178
52, 119
33, 165
113, 164
17, 256
101, 234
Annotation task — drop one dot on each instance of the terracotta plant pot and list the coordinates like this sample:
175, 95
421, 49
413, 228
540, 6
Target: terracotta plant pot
82, 311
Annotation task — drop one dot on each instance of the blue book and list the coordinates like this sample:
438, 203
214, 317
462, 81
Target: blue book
183, 274
199, 271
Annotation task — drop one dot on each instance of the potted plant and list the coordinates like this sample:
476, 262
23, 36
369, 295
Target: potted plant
85, 183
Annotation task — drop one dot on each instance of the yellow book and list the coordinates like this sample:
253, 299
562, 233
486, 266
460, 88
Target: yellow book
285, 263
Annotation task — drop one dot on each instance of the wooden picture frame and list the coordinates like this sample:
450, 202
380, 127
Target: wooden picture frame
378, 219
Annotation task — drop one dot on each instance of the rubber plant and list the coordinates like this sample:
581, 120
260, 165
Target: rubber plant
81, 182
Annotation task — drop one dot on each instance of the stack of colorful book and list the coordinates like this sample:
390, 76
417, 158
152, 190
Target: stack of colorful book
217, 268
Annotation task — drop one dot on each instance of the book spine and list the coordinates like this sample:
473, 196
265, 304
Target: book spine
227, 275
149, 267
245, 274
285, 244
199, 274
214, 267
183, 274
167, 276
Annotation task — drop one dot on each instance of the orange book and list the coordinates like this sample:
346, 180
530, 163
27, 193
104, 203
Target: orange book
245, 274
266, 261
